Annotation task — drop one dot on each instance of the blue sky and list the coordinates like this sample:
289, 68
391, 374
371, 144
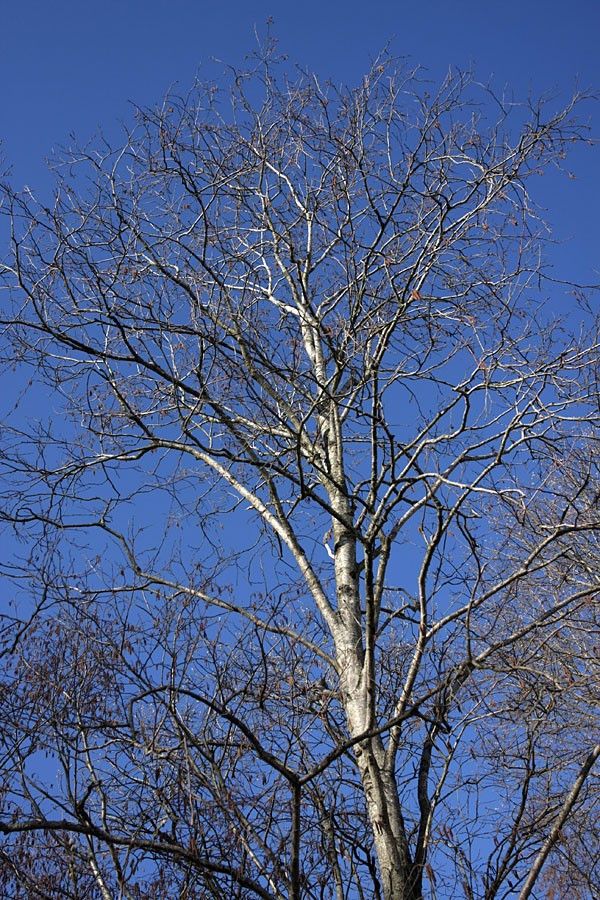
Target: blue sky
71, 66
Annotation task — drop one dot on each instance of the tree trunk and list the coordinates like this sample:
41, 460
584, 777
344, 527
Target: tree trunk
379, 784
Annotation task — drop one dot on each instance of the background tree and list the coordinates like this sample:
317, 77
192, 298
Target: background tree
307, 500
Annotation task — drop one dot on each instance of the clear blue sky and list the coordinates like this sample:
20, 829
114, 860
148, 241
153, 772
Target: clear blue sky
71, 65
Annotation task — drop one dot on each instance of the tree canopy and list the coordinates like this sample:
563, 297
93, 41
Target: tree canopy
301, 481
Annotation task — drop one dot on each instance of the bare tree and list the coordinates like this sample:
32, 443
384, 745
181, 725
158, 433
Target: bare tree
303, 506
